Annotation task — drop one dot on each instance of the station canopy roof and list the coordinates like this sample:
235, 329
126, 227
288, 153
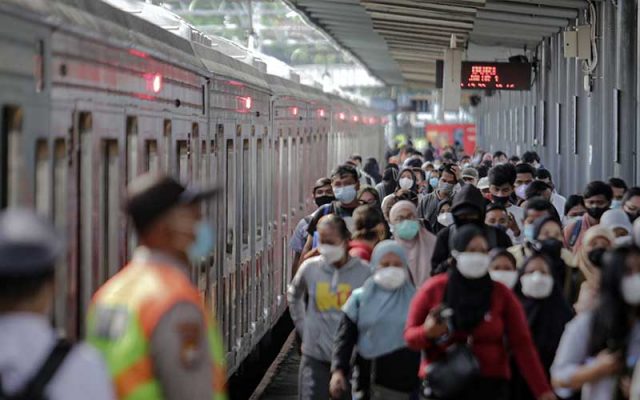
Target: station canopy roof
399, 40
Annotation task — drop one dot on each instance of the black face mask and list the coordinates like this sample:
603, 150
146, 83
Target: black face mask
550, 247
466, 221
632, 217
501, 200
322, 200
595, 256
596, 212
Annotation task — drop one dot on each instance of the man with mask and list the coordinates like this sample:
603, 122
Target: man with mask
557, 200
532, 158
631, 203
597, 199
468, 207
345, 184
501, 181
428, 205
322, 195
499, 158
619, 188
149, 320
525, 174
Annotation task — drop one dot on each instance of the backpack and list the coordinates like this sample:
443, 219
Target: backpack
34, 389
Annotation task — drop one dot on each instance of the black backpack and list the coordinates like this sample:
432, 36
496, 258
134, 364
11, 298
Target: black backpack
34, 389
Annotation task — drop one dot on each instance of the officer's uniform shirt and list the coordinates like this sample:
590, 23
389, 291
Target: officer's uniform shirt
179, 346
26, 341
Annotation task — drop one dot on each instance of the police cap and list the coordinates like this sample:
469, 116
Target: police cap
151, 196
29, 244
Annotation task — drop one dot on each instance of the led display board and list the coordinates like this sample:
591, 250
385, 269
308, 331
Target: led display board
481, 75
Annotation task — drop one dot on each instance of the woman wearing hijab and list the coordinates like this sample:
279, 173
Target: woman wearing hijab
373, 323
407, 186
372, 169
597, 240
445, 218
618, 223
483, 313
547, 313
503, 267
416, 240
389, 181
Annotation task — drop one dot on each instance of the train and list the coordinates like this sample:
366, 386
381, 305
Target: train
92, 96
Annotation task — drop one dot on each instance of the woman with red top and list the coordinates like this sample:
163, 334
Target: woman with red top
369, 228
485, 311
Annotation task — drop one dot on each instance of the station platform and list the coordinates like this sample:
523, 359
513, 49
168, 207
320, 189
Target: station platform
280, 382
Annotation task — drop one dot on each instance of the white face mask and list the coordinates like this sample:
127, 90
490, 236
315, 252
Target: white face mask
630, 287
331, 253
507, 278
473, 265
405, 183
445, 219
390, 278
536, 285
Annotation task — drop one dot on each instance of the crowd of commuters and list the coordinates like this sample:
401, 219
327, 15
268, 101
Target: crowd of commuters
460, 277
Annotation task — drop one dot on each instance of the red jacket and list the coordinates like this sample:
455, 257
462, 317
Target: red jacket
505, 325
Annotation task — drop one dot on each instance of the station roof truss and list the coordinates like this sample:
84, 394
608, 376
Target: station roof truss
398, 41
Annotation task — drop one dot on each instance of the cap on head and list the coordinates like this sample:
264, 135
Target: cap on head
470, 173
151, 196
484, 183
29, 244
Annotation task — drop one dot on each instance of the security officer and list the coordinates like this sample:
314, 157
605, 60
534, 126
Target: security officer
34, 363
149, 320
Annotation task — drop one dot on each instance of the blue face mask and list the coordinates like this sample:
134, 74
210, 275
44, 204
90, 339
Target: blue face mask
529, 232
433, 182
616, 204
345, 194
204, 243
407, 229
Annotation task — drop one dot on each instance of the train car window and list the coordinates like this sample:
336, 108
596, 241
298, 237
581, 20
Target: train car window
259, 195
204, 159
152, 159
246, 181
86, 268
110, 208
166, 132
60, 194
302, 168
293, 173
195, 157
12, 159
182, 160
42, 188
132, 148
231, 194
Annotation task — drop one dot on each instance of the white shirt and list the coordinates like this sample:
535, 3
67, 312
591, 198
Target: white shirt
25, 343
558, 202
518, 214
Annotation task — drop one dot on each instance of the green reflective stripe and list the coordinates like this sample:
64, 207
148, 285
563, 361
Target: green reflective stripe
148, 391
216, 347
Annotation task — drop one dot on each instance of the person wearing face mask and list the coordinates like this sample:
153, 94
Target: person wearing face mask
618, 223
389, 181
373, 323
619, 188
327, 281
525, 174
597, 199
600, 347
422, 185
574, 209
322, 195
428, 205
345, 184
468, 208
407, 180
417, 241
433, 177
557, 200
597, 241
503, 267
31, 351
445, 218
498, 217
531, 158
499, 158
183, 351
631, 203
547, 312
481, 312
501, 187
370, 228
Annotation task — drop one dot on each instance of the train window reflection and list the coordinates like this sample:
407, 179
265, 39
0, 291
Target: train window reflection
42, 187
109, 207
260, 167
246, 180
230, 189
152, 159
60, 220
182, 160
12, 160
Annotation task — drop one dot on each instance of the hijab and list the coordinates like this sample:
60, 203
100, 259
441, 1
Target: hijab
380, 314
546, 317
372, 169
419, 249
470, 299
551, 249
390, 180
414, 187
586, 266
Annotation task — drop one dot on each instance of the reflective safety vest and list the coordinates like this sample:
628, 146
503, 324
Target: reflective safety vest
123, 316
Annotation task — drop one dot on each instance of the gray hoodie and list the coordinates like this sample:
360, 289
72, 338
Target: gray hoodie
328, 288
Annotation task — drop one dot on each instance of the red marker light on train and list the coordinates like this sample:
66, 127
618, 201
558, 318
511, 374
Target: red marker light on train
356, 118
342, 116
294, 111
248, 102
156, 84
321, 112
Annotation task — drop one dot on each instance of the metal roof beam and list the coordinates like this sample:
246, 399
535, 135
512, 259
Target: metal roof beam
520, 19
423, 20
577, 4
429, 6
511, 27
416, 11
549, 11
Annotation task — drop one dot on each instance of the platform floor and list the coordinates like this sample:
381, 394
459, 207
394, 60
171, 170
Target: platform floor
281, 380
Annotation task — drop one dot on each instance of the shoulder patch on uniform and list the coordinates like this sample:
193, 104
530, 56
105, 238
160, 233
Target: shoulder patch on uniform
190, 346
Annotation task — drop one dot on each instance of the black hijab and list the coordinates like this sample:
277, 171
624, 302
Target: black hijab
546, 317
371, 167
470, 299
551, 248
390, 179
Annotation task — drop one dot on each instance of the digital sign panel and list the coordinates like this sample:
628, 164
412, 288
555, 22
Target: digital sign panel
481, 75
496, 76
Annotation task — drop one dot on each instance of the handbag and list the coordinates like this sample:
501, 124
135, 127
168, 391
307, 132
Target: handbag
449, 377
